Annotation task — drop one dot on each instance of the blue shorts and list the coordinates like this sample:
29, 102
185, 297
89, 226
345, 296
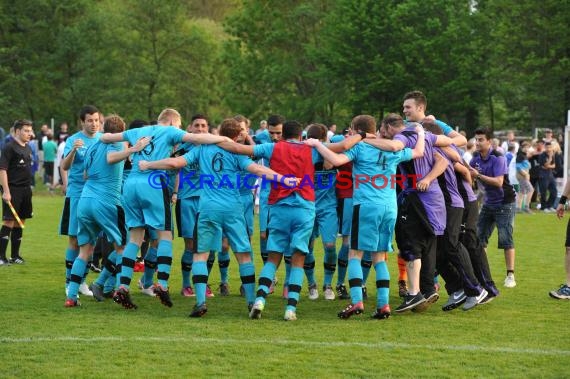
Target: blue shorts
326, 224
373, 227
187, 216
290, 229
212, 224
247, 200
96, 216
344, 211
69, 224
147, 206
501, 215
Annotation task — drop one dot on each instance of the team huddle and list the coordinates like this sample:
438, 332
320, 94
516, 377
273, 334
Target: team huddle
402, 177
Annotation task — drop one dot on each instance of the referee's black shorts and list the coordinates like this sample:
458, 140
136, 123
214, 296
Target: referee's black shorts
22, 203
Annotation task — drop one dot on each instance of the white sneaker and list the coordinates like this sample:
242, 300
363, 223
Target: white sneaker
84, 290
313, 292
329, 293
290, 315
148, 291
256, 310
510, 281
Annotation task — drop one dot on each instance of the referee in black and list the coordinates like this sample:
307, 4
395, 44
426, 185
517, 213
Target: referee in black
16, 181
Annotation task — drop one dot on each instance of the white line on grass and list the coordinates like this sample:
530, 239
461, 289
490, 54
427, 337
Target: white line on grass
375, 345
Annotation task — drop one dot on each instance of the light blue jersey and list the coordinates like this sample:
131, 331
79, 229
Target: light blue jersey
220, 177
189, 175
75, 181
164, 138
373, 172
103, 179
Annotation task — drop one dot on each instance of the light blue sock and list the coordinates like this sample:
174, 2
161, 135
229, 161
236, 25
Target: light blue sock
75, 278
342, 263
355, 280
329, 264
200, 279
127, 264
119, 269
224, 264
366, 265
164, 262
265, 279
295, 284
382, 284
186, 262
247, 276
309, 267
149, 267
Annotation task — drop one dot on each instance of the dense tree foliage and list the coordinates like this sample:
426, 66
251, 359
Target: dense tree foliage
503, 63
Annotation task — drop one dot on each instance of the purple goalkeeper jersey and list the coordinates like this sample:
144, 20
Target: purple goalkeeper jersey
432, 198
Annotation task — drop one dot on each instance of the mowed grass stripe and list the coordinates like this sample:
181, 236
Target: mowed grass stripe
284, 342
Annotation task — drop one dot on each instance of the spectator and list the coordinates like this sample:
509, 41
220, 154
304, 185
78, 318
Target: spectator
523, 177
331, 131
262, 127
469, 150
510, 140
546, 178
62, 134
548, 136
538, 148
50, 151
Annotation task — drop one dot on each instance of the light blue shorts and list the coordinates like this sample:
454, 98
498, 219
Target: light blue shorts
212, 224
290, 229
97, 216
373, 227
187, 216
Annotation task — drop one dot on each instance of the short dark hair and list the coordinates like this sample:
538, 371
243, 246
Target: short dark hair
486, 131
137, 124
394, 120
87, 109
431, 126
19, 124
418, 96
199, 116
364, 123
318, 131
291, 129
275, 120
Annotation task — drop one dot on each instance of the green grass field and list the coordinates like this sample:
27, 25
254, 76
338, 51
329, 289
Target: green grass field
523, 333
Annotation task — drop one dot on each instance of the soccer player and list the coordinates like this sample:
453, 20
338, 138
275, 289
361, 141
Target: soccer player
344, 193
374, 213
73, 159
326, 220
275, 131
291, 211
453, 262
489, 168
187, 205
421, 212
220, 181
146, 199
16, 181
99, 207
